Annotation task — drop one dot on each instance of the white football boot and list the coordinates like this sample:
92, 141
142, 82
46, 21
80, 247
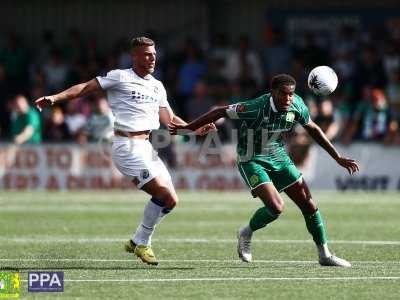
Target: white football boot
334, 261
243, 247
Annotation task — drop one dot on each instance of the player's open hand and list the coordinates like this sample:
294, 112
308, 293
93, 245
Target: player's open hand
206, 129
350, 164
43, 102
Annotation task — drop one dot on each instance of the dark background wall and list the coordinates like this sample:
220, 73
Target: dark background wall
107, 21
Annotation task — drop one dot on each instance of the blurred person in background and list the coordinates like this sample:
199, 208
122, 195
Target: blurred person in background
392, 136
217, 85
244, 63
325, 119
191, 70
74, 118
55, 72
277, 56
100, 122
93, 58
199, 103
124, 59
393, 92
25, 122
369, 73
346, 41
220, 50
391, 57
371, 119
393, 95
56, 129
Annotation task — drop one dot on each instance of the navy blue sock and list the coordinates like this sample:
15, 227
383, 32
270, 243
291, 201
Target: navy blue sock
159, 202
166, 210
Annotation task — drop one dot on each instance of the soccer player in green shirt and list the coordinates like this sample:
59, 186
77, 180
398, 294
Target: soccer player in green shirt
25, 122
266, 167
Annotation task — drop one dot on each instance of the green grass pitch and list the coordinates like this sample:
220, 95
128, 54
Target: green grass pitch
82, 234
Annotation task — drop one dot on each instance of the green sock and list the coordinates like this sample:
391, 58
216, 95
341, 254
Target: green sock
315, 226
261, 218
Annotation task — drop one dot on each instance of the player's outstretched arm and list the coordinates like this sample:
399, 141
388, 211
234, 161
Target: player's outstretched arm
201, 131
167, 117
318, 135
208, 118
75, 91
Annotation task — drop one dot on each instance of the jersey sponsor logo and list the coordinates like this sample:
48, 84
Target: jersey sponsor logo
141, 98
290, 117
240, 108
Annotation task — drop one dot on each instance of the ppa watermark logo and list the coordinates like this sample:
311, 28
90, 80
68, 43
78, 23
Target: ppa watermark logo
44, 281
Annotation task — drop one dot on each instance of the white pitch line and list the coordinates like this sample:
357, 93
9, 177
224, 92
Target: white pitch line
184, 260
237, 279
60, 239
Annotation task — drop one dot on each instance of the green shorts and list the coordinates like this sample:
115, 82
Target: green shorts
256, 173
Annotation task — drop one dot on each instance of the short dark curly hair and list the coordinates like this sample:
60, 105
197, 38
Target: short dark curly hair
282, 79
141, 41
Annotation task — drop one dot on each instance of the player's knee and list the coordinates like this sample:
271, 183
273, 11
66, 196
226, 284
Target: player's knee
278, 207
169, 198
170, 201
274, 204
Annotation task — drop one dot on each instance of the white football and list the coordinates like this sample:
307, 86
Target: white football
322, 80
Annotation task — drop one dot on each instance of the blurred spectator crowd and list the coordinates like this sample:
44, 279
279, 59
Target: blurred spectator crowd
199, 75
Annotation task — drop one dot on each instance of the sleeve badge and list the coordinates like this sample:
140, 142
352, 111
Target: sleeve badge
240, 108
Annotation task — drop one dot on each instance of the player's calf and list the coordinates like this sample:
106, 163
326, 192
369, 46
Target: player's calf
274, 206
260, 219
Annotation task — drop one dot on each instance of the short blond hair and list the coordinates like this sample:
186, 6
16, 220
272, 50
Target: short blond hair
141, 41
